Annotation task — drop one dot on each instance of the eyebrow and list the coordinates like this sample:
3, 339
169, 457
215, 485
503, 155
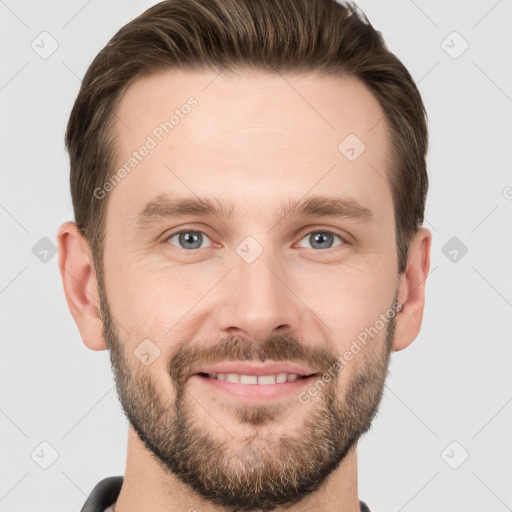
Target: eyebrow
164, 207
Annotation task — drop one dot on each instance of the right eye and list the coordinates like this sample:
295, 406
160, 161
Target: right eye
187, 239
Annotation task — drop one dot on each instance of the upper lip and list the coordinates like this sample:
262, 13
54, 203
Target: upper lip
256, 369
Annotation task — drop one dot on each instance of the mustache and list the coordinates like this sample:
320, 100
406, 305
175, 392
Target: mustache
280, 348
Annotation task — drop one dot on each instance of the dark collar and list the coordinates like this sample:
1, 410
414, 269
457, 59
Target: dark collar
106, 492
103, 495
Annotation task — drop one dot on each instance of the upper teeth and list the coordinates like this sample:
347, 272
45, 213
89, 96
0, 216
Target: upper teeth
255, 379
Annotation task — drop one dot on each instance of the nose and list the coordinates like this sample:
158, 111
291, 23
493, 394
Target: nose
258, 300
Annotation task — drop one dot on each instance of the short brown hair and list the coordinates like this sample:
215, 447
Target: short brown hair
295, 36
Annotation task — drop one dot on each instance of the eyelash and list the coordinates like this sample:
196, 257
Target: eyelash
308, 233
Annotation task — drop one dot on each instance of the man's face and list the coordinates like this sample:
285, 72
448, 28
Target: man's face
265, 285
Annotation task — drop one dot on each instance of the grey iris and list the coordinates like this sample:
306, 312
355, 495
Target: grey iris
193, 237
321, 238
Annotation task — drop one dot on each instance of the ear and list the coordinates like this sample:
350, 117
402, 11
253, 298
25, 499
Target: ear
80, 285
411, 292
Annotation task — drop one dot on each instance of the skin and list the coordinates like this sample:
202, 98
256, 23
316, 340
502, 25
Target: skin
253, 140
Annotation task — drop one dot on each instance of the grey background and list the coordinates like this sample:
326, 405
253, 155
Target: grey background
451, 385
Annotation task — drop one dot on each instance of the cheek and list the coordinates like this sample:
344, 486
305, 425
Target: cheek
147, 359
147, 296
351, 297
155, 307
354, 306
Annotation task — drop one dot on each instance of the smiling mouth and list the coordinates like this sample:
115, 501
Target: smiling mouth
237, 378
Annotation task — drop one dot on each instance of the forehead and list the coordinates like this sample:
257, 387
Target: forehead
239, 135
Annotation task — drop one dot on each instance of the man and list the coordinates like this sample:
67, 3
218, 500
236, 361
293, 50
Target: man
249, 181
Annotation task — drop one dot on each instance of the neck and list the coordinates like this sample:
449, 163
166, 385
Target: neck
147, 485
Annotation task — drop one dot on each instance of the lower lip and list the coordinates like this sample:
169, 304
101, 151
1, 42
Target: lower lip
257, 391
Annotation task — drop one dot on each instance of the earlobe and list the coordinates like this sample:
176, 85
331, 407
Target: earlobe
412, 290
80, 286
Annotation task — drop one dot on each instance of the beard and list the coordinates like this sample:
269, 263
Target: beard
265, 470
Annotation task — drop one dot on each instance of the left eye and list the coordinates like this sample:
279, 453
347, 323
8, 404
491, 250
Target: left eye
322, 239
